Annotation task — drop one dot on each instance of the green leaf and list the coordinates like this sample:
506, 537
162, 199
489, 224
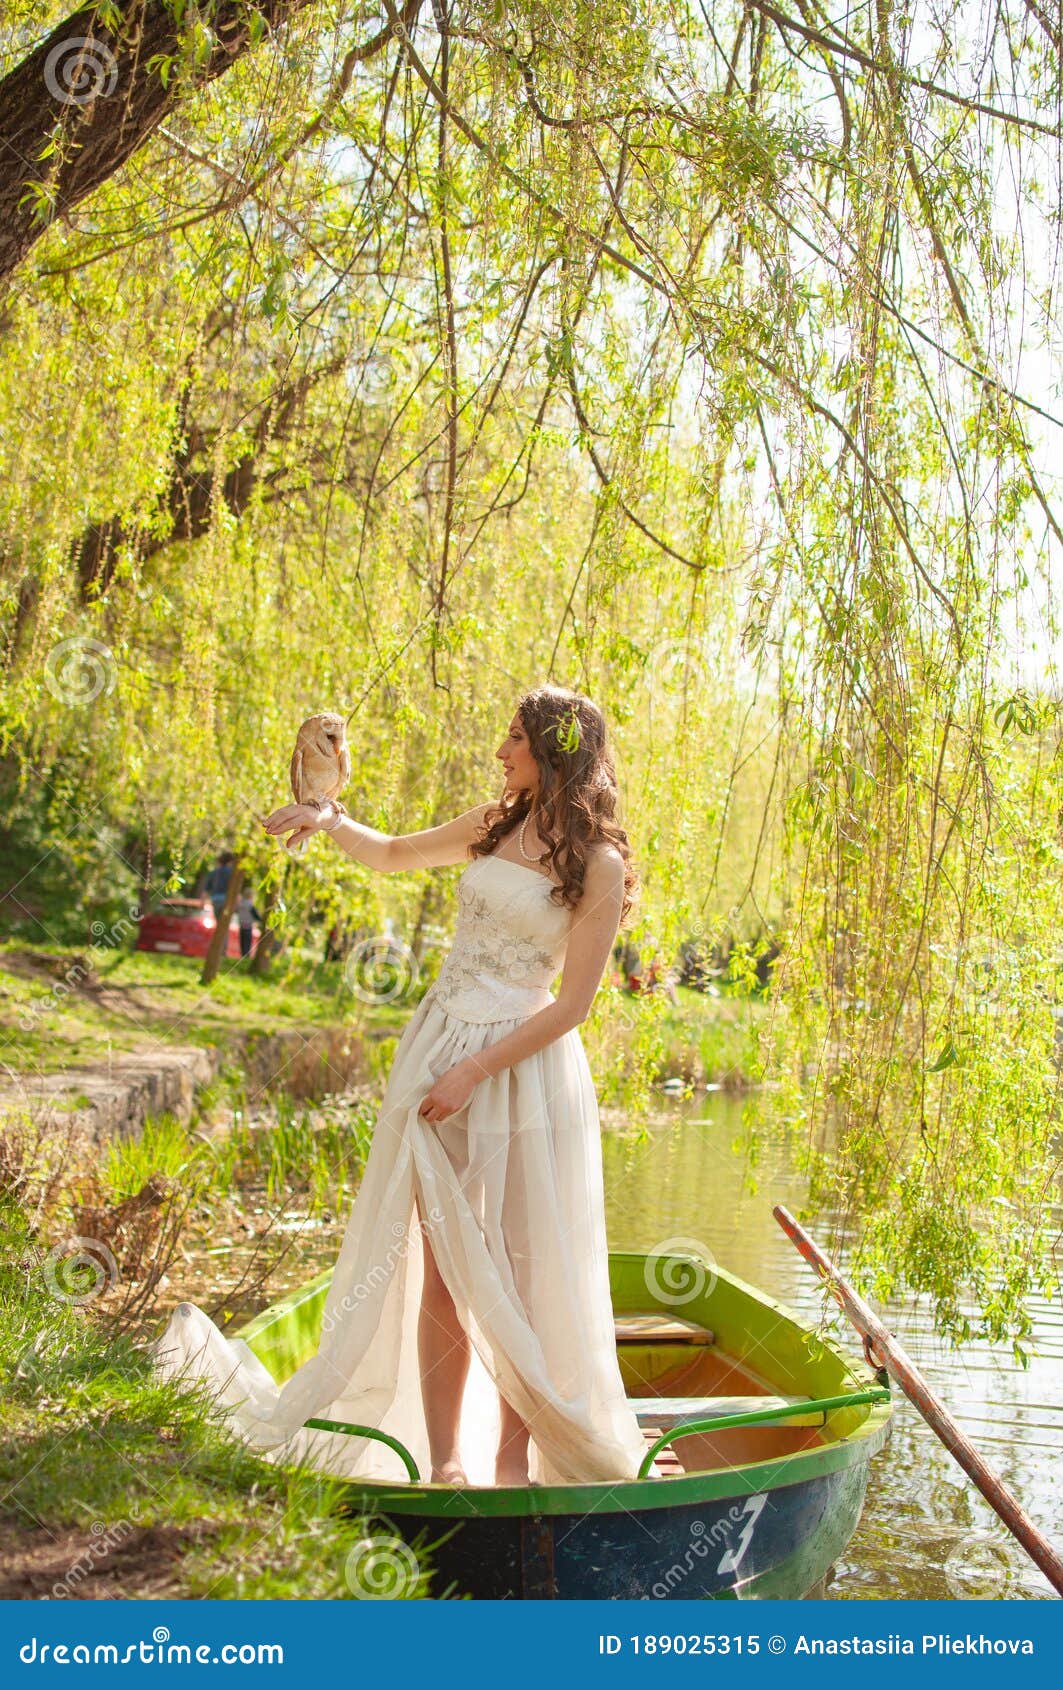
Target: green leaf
948, 1058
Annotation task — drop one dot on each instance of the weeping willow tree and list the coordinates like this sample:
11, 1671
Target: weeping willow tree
393, 358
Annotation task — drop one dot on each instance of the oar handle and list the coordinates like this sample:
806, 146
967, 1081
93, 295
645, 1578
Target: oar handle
901, 1367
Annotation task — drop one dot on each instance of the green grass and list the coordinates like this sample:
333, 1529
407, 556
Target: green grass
715, 1039
93, 1443
50, 1018
312, 1147
163, 1146
152, 997
704, 1039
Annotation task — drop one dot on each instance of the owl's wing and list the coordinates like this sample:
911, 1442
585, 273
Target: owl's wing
345, 765
296, 774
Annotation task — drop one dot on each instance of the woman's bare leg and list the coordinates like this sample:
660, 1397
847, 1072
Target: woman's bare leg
443, 1354
511, 1462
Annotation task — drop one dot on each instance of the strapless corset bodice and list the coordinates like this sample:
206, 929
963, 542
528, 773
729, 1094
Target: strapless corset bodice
509, 943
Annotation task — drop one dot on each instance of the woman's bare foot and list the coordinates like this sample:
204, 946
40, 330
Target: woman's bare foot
511, 1469
449, 1473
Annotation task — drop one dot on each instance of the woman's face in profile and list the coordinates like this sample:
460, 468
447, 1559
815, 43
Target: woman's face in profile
518, 761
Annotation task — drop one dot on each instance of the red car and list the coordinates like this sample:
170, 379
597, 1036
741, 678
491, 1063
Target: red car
186, 927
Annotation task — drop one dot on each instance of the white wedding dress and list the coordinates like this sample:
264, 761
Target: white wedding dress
511, 1196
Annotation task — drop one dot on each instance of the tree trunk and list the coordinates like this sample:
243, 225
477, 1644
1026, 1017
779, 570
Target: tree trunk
268, 944
216, 948
89, 90
427, 910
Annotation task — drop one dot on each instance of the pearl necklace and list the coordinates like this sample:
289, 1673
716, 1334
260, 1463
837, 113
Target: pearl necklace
520, 841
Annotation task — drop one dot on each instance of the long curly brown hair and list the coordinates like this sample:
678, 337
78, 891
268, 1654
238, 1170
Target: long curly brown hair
577, 795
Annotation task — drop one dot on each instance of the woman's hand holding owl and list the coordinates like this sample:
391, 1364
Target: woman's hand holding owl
306, 819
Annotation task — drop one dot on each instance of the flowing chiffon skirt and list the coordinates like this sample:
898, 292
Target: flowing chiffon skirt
511, 1194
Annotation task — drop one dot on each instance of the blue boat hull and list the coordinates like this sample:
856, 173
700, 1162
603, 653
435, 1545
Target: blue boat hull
773, 1544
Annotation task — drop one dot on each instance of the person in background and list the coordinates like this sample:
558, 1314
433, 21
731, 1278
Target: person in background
626, 957
246, 915
650, 972
337, 941
217, 882
659, 977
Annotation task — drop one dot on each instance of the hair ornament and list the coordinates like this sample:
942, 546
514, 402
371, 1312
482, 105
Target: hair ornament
568, 731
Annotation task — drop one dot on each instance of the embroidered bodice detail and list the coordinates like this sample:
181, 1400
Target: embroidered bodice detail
509, 943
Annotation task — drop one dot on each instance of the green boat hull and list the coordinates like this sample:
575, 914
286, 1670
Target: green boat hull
761, 1512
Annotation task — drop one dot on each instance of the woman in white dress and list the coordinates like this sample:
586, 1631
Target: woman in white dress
475, 1254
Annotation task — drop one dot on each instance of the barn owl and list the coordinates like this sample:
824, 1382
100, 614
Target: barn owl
321, 765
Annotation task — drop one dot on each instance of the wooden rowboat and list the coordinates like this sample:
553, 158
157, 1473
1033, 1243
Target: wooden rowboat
766, 1430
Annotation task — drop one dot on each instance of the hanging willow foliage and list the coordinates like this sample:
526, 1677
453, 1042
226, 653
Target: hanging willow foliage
392, 359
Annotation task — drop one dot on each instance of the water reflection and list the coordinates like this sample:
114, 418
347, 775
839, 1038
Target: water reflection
926, 1532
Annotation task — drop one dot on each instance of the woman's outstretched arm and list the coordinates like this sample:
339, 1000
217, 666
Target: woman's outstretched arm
388, 853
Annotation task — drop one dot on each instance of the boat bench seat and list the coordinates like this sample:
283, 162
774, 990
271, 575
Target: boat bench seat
664, 1413
660, 1329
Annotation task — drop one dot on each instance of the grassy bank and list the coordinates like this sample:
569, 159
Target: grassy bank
704, 1039
113, 1482
58, 1005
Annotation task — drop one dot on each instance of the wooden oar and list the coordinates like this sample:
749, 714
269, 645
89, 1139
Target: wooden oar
882, 1350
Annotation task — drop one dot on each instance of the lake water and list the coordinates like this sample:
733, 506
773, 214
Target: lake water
926, 1531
